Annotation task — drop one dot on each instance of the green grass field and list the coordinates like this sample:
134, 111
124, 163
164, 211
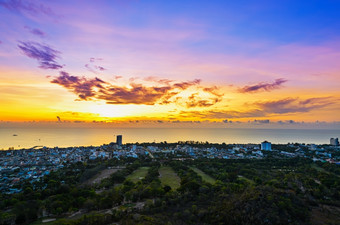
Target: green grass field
169, 177
204, 176
138, 174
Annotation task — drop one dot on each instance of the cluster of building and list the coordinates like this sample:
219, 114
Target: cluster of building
250, 151
17, 166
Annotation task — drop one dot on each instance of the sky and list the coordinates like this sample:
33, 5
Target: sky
213, 63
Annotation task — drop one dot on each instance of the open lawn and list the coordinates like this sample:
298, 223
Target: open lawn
138, 174
168, 177
204, 176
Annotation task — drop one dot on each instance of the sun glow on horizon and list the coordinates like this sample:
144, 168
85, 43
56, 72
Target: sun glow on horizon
122, 65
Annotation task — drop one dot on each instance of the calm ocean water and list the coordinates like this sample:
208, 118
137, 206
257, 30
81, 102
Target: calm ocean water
64, 137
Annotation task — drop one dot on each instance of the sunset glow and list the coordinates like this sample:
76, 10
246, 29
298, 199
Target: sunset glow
156, 62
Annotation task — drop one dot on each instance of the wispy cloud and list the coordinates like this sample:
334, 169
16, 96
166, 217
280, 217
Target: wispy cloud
26, 6
93, 67
45, 55
157, 80
261, 109
293, 105
92, 89
220, 114
36, 31
263, 86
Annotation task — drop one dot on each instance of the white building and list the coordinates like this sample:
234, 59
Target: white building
266, 146
334, 141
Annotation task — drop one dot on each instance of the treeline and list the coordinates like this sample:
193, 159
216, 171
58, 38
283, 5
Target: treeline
246, 191
201, 144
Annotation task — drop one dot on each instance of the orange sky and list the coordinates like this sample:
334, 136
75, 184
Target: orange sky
116, 64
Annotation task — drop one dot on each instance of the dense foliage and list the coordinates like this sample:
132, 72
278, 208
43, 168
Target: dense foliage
244, 191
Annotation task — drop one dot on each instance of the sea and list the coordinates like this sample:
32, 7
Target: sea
20, 138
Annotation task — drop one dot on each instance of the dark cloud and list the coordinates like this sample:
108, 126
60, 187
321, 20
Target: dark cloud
262, 121
81, 86
45, 55
97, 89
263, 86
27, 7
137, 94
36, 31
293, 105
287, 122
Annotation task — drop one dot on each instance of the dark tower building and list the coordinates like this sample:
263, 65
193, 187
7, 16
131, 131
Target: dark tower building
119, 140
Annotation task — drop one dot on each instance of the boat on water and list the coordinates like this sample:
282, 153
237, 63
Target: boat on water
15, 135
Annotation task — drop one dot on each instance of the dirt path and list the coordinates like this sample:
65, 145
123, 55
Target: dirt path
48, 220
100, 176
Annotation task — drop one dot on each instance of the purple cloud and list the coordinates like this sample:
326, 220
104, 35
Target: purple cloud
36, 31
97, 89
45, 55
81, 86
100, 68
94, 68
92, 59
27, 6
263, 86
